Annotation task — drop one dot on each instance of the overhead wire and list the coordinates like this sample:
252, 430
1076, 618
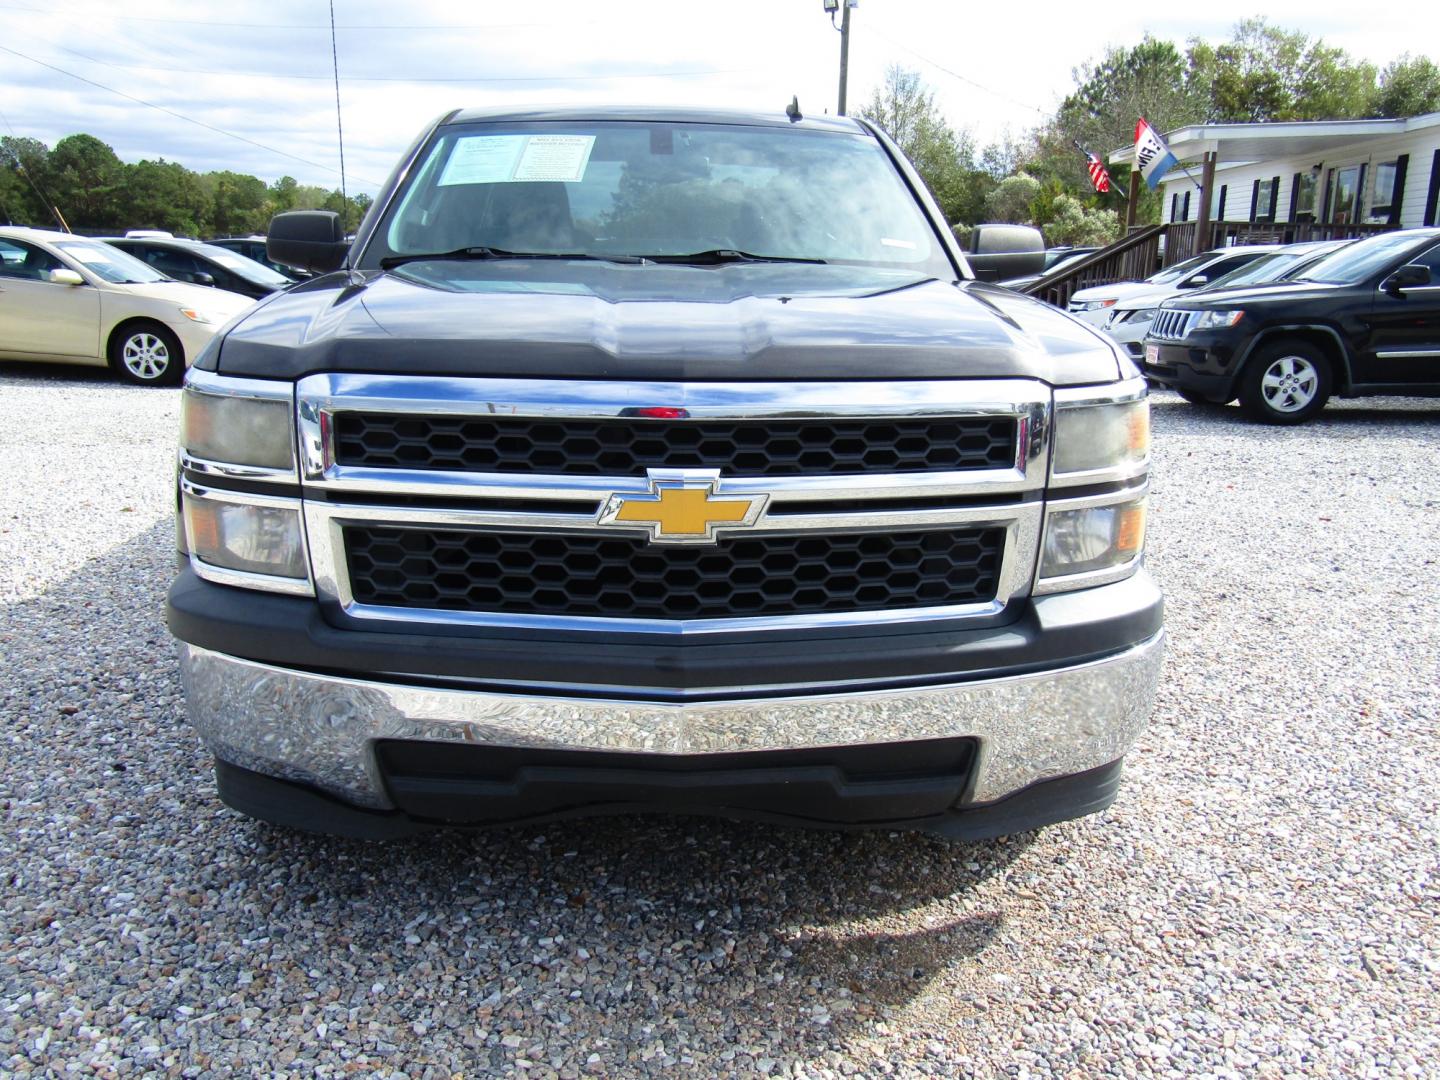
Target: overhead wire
177, 115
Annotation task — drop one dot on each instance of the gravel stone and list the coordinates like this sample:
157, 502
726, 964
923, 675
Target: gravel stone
1261, 901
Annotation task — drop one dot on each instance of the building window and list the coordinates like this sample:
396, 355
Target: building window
1347, 195
1384, 196
1265, 201
1305, 196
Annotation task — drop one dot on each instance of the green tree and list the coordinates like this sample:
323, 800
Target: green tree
1266, 73
944, 157
1075, 224
238, 202
87, 182
1151, 79
1011, 199
165, 195
1409, 86
24, 167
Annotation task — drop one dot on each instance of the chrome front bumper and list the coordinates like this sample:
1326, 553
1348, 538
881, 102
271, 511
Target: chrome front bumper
320, 730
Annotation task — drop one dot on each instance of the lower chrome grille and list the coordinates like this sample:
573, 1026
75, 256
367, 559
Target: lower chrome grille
582, 574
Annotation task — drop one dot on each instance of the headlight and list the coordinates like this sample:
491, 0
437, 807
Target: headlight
1106, 436
249, 540
196, 315
1093, 539
234, 428
1214, 320
1091, 305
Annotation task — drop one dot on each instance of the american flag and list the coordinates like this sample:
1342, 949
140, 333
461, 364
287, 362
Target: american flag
1098, 176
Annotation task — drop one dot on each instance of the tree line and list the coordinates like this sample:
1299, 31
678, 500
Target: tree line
1261, 73
93, 190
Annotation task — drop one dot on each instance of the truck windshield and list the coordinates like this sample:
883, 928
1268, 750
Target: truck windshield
660, 189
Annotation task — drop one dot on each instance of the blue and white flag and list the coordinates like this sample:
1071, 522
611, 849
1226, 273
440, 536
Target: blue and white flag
1152, 157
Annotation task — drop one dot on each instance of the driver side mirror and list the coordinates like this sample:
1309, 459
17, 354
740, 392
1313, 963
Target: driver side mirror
1409, 276
64, 276
307, 240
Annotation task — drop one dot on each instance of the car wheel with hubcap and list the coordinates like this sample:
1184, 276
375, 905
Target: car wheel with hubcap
1285, 383
147, 354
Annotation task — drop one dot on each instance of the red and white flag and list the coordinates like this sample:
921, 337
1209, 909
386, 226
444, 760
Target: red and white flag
1099, 177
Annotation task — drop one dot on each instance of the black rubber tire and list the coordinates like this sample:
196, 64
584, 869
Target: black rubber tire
1253, 400
174, 367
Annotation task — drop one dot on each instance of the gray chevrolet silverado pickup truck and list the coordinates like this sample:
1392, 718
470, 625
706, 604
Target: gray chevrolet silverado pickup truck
633, 460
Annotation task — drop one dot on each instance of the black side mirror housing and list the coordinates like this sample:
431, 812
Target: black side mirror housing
1001, 251
1409, 276
307, 240
202, 278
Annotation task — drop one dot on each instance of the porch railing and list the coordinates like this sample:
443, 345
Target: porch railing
1128, 259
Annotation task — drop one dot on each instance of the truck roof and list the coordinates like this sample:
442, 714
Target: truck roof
641, 113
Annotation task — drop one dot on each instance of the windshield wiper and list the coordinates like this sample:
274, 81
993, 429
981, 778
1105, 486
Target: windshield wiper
716, 256
500, 253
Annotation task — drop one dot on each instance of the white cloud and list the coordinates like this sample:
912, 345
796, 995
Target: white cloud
1002, 58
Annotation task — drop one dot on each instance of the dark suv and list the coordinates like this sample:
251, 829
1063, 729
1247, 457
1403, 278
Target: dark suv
1364, 320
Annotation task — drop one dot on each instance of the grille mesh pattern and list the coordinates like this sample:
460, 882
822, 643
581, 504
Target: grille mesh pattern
626, 447
623, 577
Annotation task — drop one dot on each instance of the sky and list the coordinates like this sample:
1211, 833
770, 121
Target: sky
260, 70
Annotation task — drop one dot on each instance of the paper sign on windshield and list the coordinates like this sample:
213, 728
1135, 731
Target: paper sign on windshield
507, 159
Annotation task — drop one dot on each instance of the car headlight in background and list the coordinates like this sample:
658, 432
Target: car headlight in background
196, 315
238, 427
1215, 320
1092, 305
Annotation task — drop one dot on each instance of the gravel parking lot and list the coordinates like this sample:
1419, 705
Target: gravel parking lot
1262, 899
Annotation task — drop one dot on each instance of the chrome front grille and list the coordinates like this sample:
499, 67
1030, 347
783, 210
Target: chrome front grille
1171, 325
628, 446
441, 538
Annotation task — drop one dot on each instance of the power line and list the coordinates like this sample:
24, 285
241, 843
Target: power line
172, 112
389, 27
957, 75
404, 79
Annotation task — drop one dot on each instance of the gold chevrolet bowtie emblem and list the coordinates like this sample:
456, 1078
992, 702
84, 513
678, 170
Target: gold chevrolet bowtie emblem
682, 507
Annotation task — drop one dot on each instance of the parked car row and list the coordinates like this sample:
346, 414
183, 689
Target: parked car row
74, 299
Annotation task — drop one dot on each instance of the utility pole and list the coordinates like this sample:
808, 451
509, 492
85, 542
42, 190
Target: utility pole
844, 52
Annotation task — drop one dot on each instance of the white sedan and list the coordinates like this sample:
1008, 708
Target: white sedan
74, 300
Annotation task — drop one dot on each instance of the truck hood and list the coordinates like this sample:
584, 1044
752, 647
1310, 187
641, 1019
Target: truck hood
562, 319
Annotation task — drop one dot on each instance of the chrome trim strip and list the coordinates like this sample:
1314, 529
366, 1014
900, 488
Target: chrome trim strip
211, 382
258, 473
324, 523
243, 578
1407, 354
321, 729
1076, 397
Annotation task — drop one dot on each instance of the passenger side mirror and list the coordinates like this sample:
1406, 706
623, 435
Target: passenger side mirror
1409, 276
202, 278
307, 240
64, 276
1195, 281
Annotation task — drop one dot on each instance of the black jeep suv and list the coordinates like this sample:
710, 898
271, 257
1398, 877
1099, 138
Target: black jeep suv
1364, 320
